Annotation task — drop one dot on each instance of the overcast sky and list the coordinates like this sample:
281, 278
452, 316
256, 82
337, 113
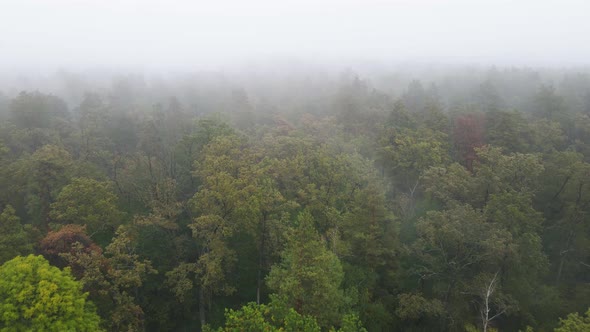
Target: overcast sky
190, 33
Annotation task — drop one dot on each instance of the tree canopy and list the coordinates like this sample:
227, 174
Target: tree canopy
387, 201
35, 296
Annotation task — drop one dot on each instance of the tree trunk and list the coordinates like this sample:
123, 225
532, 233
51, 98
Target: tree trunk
261, 259
562, 257
45, 206
202, 307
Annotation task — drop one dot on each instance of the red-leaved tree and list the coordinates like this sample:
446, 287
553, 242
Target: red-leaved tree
468, 134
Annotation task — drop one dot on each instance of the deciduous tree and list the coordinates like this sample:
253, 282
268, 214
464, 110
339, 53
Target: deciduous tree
35, 296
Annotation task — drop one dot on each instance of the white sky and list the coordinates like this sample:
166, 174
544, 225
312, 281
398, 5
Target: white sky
182, 32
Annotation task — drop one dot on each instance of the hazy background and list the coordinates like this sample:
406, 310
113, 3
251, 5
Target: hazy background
174, 35
284, 52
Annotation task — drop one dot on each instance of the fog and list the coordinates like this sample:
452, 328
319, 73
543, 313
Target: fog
175, 35
295, 165
270, 48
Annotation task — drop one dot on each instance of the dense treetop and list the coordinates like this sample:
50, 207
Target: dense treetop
456, 202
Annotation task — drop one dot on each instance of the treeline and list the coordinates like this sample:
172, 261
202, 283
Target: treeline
342, 206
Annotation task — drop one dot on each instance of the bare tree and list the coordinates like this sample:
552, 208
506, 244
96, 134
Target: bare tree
485, 307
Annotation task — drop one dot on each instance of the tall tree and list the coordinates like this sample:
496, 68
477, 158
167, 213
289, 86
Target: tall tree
48, 168
15, 238
309, 276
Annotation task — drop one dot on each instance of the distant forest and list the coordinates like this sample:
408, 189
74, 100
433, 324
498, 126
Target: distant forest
387, 199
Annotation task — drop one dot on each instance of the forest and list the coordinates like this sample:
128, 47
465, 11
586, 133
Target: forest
309, 199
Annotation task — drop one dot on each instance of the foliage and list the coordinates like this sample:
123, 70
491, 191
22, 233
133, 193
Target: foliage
259, 317
449, 202
62, 241
87, 202
35, 296
574, 322
111, 279
16, 238
309, 276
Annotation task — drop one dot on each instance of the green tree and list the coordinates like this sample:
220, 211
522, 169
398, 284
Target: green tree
222, 205
405, 155
38, 119
3, 153
489, 98
415, 308
500, 217
574, 323
47, 174
262, 318
37, 110
545, 136
415, 97
94, 142
87, 202
549, 104
15, 240
492, 173
35, 296
189, 147
350, 323
309, 277
268, 214
565, 198
454, 247
367, 248
506, 130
